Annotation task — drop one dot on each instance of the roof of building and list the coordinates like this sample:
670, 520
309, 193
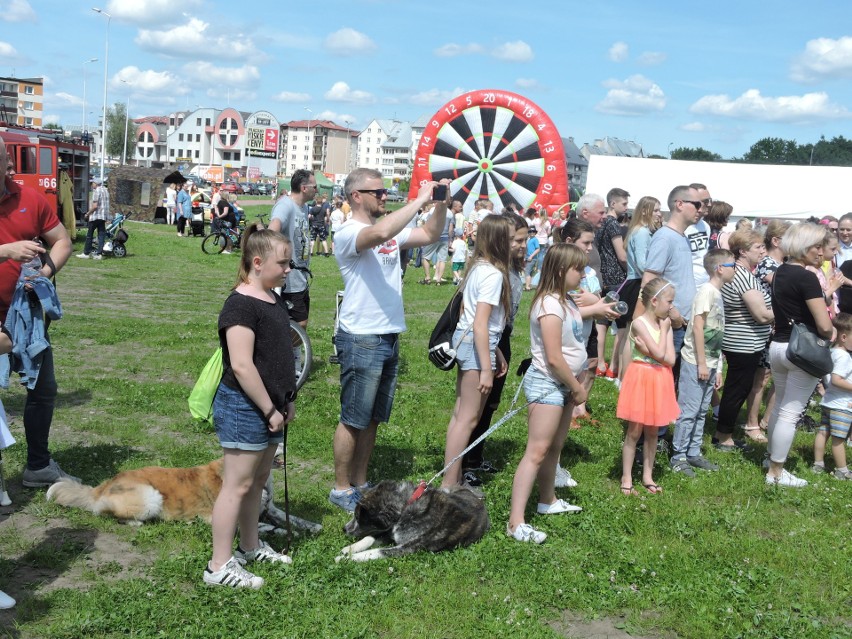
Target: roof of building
572, 152
307, 124
153, 119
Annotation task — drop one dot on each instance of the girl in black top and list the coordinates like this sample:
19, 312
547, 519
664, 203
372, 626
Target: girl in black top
253, 403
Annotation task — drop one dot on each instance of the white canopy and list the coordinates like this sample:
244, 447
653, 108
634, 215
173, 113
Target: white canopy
754, 190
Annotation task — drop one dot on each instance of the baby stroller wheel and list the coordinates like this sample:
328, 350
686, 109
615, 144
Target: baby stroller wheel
119, 249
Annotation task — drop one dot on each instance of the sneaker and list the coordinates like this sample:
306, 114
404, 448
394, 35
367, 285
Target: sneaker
563, 478
226, 252
702, 463
681, 466
818, 469
786, 479
6, 601
843, 473
46, 476
83, 256
525, 532
97, 257
263, 553
486, 466
470, 478
367, 485
232, 574
556, 508
345, 499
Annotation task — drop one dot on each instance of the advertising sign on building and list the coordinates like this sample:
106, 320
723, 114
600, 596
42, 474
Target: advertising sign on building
212, 174
262, 143
253, 172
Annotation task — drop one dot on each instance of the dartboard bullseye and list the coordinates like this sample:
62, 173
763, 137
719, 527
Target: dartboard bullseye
494, 145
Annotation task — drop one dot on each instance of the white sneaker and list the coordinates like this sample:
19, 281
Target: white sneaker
525, 532
557, 507
263, 553
786, 479
232, 574
97, 257
83, 256
563, 478
6, 601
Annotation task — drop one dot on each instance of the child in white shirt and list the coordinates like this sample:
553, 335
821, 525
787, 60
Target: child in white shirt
459, 251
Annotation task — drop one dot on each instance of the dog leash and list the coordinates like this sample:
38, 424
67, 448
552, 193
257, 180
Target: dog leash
286, 494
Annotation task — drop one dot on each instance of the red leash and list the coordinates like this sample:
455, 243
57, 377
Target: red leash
418, 492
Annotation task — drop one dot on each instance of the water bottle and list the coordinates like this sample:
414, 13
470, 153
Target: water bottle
31, 269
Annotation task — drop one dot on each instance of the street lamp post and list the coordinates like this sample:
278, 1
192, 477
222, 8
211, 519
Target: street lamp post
670, 150
348, 143
126, 122
84, 92
310, 166
106, 68
813, 146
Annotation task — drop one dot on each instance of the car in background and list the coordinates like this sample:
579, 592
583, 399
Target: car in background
264, 189
395, 197
230, 187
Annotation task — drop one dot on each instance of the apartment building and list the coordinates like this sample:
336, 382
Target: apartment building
22, 101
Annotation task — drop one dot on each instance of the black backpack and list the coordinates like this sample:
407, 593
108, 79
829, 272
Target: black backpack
441, 352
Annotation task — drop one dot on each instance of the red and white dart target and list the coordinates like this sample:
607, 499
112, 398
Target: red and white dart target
494, 145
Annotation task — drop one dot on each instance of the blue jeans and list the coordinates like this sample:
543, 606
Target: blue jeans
241, 425
38, 414
369, 366
694, 398
100, 226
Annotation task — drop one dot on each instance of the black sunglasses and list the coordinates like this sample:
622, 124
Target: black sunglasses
696, 203
378, 193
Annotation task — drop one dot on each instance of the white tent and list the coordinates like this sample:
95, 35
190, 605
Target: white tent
754, 190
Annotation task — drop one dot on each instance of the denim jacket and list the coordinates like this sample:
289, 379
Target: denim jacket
25, 322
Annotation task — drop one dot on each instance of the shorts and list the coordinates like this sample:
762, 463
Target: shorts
592, 344
836, 422
301, 302
529, 267
437, 252
319, 233
458, 266
466, 355
369, 366
239, 423
540, 388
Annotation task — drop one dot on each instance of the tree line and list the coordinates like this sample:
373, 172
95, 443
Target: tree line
834, 152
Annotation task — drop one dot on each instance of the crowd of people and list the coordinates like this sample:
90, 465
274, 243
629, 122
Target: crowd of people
683, 298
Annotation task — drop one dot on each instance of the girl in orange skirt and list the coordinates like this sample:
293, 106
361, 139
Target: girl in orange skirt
647, 398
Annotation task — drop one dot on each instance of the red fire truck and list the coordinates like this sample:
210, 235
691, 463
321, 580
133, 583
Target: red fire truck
39, 158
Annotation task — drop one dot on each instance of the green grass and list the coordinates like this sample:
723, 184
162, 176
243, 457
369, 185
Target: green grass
717, 556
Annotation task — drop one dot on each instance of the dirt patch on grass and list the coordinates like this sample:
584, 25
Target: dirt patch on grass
578, 627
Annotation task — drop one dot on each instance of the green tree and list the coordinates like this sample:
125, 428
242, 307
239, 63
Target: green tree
777, 151
115, 132
52, 126
697, 154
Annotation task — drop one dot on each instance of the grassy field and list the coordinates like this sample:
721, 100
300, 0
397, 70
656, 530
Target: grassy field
721, 555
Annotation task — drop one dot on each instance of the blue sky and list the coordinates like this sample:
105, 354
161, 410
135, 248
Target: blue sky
716, 74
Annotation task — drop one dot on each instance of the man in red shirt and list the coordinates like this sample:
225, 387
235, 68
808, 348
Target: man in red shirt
26, 217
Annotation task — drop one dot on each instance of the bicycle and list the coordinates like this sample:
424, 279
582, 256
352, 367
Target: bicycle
216, 241
302, 352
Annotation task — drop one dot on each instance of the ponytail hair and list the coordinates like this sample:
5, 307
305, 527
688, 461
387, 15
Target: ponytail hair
257, 242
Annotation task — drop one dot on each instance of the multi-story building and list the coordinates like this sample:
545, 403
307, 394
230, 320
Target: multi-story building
578, 166
22, 101
317, 145
612, 146
389, 146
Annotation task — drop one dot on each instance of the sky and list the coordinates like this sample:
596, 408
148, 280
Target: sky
719, 75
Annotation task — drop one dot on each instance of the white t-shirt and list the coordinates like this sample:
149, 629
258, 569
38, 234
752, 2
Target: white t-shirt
171, 198
336, 220
834, 397
698, 236
459, 250
573, 343
484, 283
372, 298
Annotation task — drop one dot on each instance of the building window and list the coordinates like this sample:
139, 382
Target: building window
206, 121
172, 152
293, 156
171, 121
198, 137
180, 137
237, 155
29, 106
197, 121
29, 90
226, 155
28, 121
228, 131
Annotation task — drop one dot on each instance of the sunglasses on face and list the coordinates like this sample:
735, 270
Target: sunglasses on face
377, 193
696, 203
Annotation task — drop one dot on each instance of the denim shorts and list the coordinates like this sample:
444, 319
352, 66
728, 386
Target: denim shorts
369, 365
239, 423
466, 355
543, 389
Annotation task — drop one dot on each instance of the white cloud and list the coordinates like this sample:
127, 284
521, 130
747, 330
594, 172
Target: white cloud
337, 118
527, 83
434, 96
618, 52
452, 49
651, 58
194, 38
348, 41
517, 51
51, 119
150, 11
63, 99
148, 81
751, 105
636, 95
695, 127
234, 96
341, 92
220, 79
824, 58
7, 51
17, 11
290, 96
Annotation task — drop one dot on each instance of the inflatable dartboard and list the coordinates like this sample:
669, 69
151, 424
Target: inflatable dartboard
493, 145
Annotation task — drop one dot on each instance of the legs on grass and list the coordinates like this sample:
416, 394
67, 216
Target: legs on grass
466, 413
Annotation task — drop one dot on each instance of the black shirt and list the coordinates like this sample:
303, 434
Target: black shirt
792, 286
273, 349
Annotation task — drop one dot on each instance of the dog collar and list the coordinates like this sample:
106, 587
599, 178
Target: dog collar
418, 492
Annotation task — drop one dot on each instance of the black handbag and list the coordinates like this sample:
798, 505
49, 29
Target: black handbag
809, 351
441, 351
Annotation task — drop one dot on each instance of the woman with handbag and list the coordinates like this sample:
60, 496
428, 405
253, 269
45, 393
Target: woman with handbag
800, 314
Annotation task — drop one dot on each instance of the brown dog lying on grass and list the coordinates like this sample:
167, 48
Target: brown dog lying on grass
170, 494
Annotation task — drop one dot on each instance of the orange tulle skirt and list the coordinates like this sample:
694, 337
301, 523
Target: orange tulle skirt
647, 395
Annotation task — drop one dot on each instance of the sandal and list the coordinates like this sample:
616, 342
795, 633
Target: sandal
653, 488
425, 281
755, 434
629, 491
